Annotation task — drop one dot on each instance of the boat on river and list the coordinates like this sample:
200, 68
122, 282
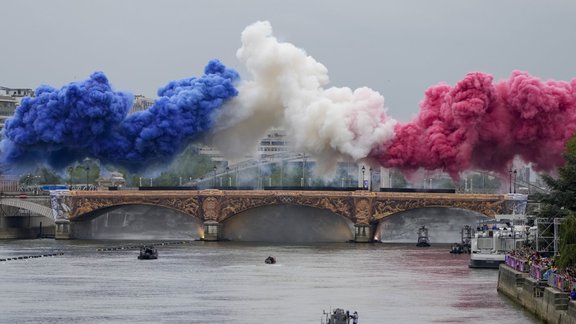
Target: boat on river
465, 243
340, 316
270, 260
493, 240
423, 240
148, 253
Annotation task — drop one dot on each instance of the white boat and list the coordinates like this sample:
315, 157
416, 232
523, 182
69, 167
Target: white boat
492, 240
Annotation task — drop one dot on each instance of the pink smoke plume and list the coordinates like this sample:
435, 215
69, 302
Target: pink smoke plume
478, 124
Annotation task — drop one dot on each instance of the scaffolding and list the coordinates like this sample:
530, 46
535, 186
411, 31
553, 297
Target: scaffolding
547, 235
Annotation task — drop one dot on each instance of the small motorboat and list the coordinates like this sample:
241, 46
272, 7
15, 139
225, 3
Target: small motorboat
270, 260
423, 240
340, 316
148, 253
457, 248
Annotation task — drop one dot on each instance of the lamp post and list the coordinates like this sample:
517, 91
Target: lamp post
87, 168
304, 171
370, 183
510, 187
515, 172
214, 177
281, 173
363, 178
229, 178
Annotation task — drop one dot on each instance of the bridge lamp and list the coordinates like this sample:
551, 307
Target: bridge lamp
229, 177
87, 168
512, 172
304, 171
214, 177
363, 177
371, 178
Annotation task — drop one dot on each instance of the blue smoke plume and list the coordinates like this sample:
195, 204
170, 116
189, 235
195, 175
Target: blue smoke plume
89, 119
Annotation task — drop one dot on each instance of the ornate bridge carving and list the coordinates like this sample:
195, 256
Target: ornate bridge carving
360, 207
82, 203
489, 205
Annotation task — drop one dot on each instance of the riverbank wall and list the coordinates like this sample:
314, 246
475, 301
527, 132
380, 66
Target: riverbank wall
547, 303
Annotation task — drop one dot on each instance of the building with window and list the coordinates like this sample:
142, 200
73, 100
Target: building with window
10, 99
140, 103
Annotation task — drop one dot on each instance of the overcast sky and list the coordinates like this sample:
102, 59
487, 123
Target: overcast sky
398, 48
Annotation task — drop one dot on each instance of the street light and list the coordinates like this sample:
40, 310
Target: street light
87, 168
370, 183
363, 178
304, 171
515, 181
214, 177
512, 172
229, 177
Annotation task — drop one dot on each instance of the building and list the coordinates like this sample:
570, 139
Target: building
10, 99
114, 179
140, 103
273, 143
7, 108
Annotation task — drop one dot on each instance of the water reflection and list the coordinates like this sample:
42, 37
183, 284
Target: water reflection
228, 282
139, 222
444, 225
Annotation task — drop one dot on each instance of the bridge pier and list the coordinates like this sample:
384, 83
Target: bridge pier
212, 231
363, 233
63, 230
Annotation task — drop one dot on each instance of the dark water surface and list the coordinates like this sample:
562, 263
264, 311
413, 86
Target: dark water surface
226, 282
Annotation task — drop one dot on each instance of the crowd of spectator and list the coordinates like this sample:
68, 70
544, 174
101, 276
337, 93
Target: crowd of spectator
543, 267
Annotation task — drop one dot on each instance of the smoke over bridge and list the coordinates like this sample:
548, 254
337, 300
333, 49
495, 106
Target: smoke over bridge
478, 123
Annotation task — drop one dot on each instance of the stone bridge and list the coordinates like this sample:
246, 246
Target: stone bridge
211, 207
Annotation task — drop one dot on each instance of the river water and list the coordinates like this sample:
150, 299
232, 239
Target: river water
228, 282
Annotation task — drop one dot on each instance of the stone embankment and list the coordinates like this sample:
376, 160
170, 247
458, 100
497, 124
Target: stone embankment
548, 303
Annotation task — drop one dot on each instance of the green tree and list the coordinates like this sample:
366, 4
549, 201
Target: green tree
47, 176
86, 172
567, 256
561, 203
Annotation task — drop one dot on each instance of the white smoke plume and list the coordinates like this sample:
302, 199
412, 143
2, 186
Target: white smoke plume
287, 90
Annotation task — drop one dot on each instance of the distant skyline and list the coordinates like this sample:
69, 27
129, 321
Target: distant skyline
398, 48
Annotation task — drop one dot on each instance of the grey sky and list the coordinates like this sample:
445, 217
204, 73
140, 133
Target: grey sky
398, 48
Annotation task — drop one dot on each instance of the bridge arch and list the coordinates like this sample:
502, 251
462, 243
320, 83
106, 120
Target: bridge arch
235, 206
95, 213
137, 221
444, 224
287, 223
31, 206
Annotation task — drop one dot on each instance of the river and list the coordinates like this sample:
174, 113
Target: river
228, 282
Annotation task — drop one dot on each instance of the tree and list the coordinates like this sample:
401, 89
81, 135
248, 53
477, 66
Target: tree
567, 256
86, 172
562, 198
561, 203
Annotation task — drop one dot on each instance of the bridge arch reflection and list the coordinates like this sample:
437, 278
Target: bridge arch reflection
138, 222
443, 223
287, 223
